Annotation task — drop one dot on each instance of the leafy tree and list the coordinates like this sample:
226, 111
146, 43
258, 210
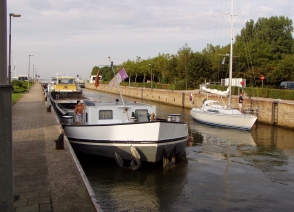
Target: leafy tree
172, 73
94, 70
200, 69
265, 43
262, 48
284, 71
184, 55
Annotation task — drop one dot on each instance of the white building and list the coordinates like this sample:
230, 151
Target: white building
93, 78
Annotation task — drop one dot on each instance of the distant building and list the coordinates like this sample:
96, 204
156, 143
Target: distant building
23, 77
93, 78
14, 78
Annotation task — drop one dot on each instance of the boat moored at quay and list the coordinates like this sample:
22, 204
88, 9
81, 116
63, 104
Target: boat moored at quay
213, 113
64, 93
129, 132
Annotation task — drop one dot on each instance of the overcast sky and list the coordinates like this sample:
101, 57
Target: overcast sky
72, 36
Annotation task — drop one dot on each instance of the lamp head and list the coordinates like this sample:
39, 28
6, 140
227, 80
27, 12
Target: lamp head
31, 55
15, 15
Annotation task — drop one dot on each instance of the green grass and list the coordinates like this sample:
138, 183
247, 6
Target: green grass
15, 97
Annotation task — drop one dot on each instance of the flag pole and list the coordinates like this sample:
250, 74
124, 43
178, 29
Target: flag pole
118, 86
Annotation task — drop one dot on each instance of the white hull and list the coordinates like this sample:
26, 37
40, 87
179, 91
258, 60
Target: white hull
237, 121
149, 138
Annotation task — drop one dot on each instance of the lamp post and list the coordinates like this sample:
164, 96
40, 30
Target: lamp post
34, 65
36, 74
29, 71
9, 65
151, 75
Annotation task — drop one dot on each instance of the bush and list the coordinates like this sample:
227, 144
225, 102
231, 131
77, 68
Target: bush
260, 92
270, 93
20, 86
250, 91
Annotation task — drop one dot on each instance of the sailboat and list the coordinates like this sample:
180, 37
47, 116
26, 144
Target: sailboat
213, 113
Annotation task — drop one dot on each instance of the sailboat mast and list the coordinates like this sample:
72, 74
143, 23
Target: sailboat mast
231, 54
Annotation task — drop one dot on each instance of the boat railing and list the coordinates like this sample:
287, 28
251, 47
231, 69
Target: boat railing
63, 108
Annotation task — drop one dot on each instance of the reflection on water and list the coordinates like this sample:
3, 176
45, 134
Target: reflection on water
224, 170
273, 136
119, 189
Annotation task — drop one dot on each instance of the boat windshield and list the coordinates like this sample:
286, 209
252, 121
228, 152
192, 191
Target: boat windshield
65, 81
213, 104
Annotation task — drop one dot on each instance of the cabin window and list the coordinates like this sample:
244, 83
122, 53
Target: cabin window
142, 115
65, 81
141, 112
105, 114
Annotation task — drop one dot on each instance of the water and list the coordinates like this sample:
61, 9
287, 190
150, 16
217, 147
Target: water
224, 170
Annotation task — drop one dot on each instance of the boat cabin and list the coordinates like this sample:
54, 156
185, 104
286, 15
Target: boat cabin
109, 113
212, 103
65, 83
211, 106
214, 106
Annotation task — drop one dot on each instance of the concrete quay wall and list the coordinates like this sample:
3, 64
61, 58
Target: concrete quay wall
269, 111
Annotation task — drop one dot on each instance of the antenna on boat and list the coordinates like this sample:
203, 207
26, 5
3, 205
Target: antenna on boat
117, 84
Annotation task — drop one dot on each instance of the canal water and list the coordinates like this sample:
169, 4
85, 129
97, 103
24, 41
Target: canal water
224, 170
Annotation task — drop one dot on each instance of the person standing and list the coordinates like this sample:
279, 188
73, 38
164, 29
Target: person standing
75, 110
78, 112
240, 102
77, 103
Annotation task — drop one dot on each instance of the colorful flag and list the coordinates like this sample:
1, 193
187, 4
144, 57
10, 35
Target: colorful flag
97, 78
224, 60
118, 78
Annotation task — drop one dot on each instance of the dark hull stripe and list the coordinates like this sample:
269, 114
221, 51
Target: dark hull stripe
127, 142
128, 123
222, 125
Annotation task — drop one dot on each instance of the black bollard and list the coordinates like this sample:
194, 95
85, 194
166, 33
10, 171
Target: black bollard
49, 108
59, 144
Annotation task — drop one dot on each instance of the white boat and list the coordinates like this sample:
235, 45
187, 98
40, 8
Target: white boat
80, 83
128, 131
64, 94
213, 113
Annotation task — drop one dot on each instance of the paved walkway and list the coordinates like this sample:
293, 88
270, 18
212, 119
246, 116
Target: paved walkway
46, 179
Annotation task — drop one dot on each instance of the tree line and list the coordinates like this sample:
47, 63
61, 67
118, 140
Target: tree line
264, 47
